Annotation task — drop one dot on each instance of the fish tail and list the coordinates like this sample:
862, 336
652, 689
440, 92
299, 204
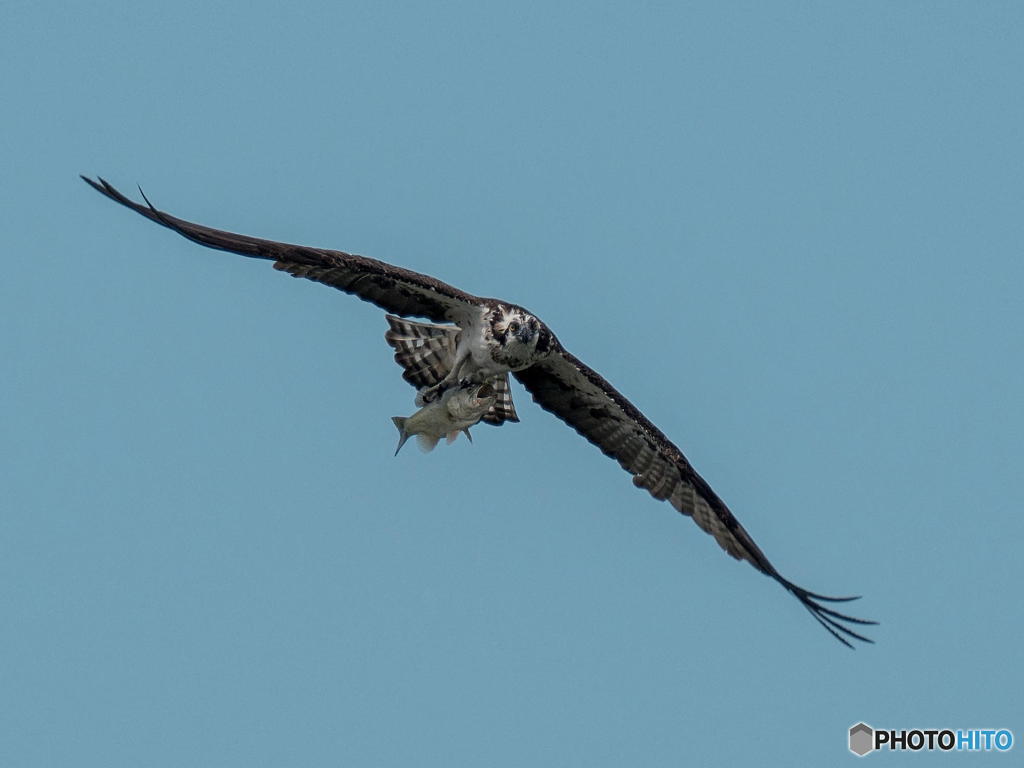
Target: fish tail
402, 434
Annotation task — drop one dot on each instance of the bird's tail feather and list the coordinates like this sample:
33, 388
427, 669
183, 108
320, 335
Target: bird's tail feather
425, 351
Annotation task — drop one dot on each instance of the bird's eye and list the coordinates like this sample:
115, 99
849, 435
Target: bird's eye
513, 327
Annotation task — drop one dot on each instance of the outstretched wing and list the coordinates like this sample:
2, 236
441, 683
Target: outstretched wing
394, 289
581, 398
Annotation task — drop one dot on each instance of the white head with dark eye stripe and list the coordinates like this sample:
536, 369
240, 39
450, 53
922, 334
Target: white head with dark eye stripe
522, 339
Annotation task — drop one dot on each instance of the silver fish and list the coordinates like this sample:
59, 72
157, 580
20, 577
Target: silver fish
456, 411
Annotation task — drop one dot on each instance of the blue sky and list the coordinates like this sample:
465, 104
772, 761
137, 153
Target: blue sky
791, 233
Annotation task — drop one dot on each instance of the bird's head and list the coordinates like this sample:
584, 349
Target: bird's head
522, 337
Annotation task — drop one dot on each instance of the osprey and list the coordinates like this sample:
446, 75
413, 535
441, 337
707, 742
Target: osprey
482, 341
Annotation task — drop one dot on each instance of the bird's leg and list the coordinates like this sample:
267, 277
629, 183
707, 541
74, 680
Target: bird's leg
429, 394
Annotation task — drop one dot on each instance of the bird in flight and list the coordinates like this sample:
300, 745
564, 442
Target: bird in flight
473, 340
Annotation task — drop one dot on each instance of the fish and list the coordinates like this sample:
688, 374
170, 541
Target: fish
458, 409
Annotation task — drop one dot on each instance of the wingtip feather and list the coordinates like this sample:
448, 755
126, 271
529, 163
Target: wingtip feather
833, 621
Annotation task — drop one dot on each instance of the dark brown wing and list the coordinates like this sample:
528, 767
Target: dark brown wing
392, 288
581, 398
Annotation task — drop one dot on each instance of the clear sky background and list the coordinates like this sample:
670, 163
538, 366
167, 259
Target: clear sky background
791, 233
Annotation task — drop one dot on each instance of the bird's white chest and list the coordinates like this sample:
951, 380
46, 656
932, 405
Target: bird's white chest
477, 346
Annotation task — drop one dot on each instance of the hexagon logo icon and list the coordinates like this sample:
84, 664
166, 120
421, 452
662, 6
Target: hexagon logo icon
862, 739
